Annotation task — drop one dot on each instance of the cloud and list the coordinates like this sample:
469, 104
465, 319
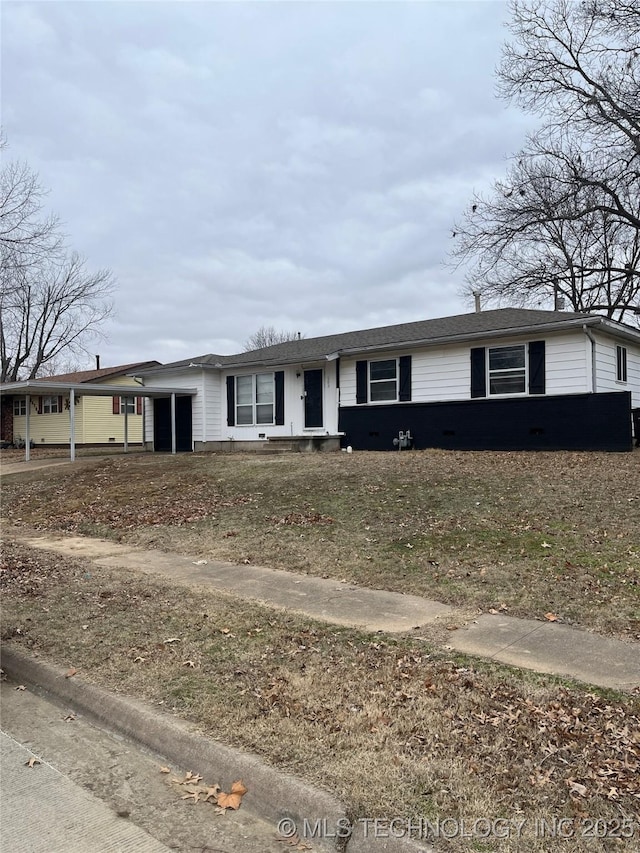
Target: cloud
240, 164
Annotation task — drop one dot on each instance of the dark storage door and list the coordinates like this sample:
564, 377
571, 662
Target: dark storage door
162, 424
313, 398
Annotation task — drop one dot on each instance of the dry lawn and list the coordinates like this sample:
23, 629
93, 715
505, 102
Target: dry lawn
530, 533
392, 725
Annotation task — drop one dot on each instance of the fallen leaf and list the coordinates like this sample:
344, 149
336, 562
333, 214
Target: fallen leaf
192, 778
165, 770
193, 794
70, 717
294, 841
212, 793
232, 800
32, 761
70, 672
21, 687
545, 545
189, 663
172, 640
551, 617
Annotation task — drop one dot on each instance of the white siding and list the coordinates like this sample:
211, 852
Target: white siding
211, 408
606, 367
442, 374
633, 375
293, 405
568, 363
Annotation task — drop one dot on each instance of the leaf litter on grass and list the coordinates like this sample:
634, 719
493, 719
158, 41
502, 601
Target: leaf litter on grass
468, 529
391, 725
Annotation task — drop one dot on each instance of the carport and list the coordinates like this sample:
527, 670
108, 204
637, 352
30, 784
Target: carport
37, 387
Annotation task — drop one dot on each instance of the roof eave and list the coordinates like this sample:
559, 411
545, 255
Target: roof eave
619, 330
175, 368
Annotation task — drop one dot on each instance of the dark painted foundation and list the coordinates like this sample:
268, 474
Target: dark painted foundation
567, 422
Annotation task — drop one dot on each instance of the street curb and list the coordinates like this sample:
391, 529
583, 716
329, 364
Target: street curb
273, 796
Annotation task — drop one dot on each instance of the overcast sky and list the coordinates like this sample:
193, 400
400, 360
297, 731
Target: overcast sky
240, 164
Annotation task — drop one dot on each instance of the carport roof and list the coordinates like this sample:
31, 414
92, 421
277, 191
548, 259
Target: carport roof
95, 389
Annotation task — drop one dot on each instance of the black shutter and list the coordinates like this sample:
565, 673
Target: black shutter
337, 372
478, 372
361, 382
279, 377
536, 367
405, 378
231, 401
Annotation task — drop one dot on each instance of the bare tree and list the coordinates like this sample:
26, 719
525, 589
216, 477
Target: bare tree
267, 336
50, 304
539, 237
566, 217
26, 235
63, 364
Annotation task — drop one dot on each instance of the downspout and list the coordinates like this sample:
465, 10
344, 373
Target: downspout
594, 381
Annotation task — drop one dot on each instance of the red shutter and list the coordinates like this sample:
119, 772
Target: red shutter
138, 405
116, 405
60, 409
39, 405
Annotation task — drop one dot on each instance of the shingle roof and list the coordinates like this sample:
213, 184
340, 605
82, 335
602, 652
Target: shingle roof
80, 376
423, 331
463, 325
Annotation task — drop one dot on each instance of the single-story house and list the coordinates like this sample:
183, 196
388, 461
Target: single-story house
500, 379
98, 420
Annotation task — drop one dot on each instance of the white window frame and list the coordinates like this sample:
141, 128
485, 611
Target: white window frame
376, 385
258, 406
621, 363
496, 374
127, 405
50, 405
19, 407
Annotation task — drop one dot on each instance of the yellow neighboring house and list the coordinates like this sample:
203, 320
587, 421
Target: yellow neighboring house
98, 420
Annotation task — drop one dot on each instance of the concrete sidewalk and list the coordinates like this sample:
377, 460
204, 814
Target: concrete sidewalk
21, 467
541, 646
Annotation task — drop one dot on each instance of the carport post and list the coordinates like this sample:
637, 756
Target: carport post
126, 423
173, 423
27, 440
72, 423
